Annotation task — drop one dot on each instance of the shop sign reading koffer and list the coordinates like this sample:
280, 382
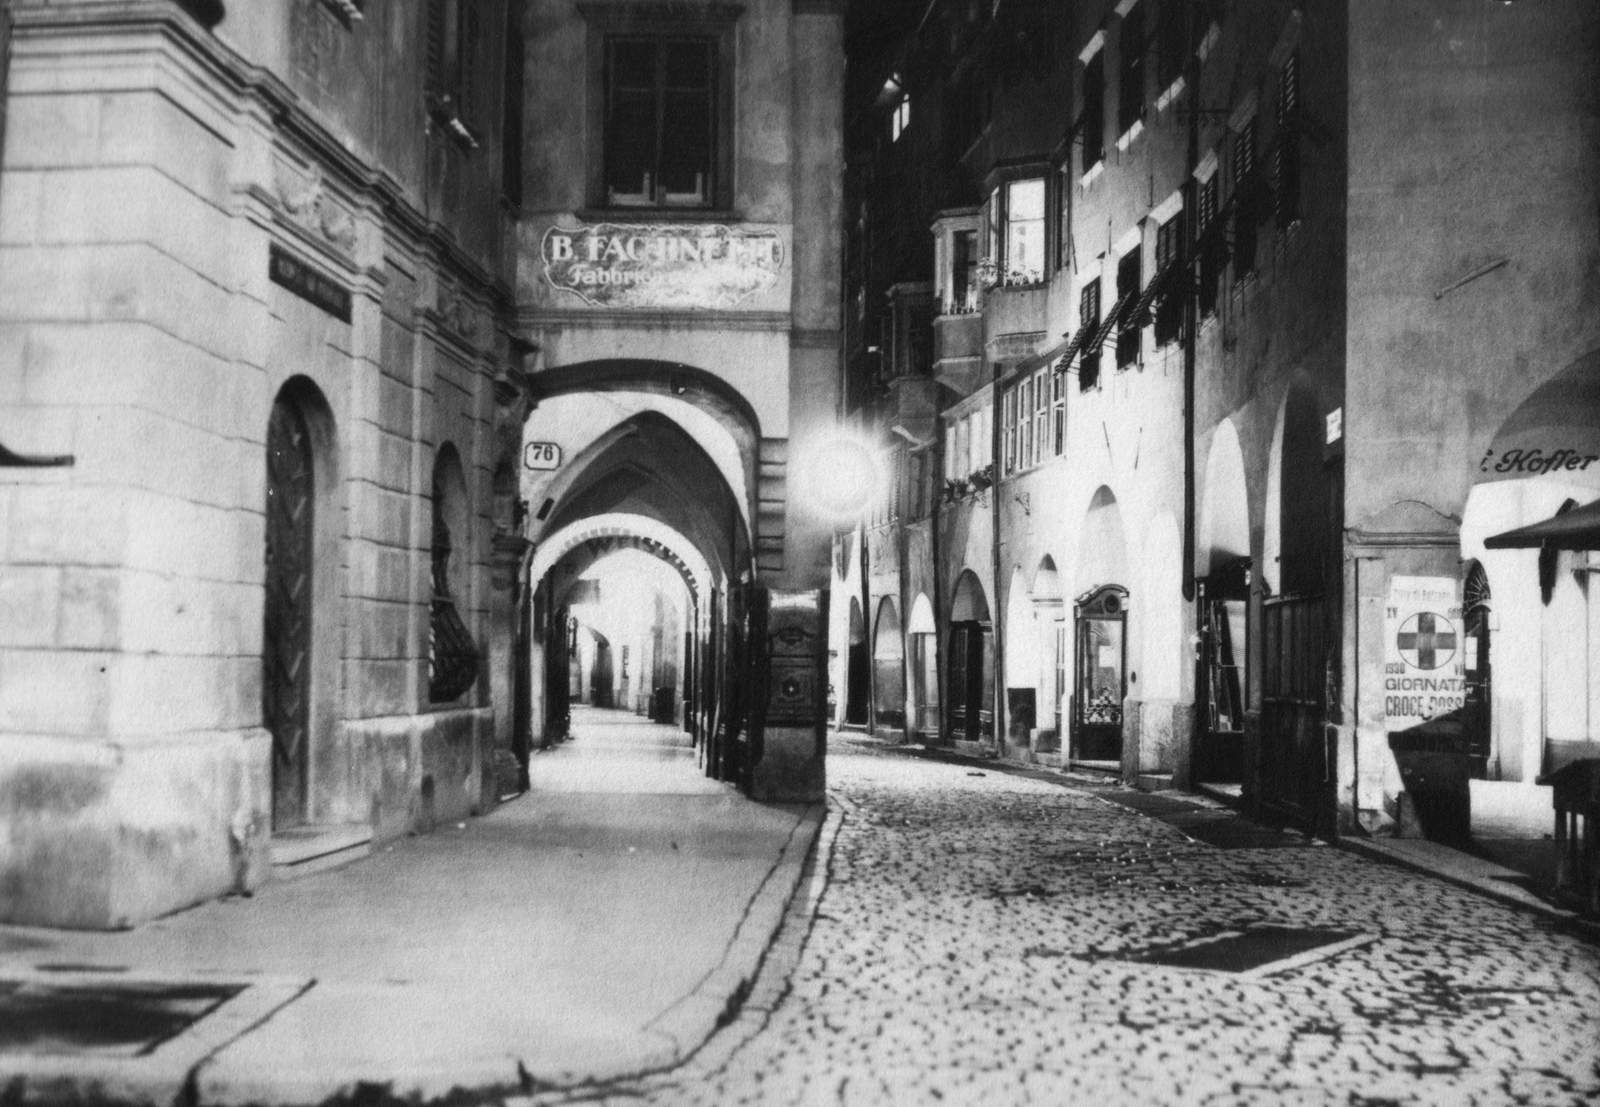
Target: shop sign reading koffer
662, 265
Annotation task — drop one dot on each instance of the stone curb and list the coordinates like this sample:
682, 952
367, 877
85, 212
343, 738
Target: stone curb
1511, 895
666, 1042
770, 985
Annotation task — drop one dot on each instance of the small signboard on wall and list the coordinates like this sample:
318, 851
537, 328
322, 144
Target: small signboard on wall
541, 455
1424, 671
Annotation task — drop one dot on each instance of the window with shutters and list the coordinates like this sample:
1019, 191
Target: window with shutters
1058, 412
1246, 200
1169, 305
1041, 415
660, 106
1089, 313
1208, 239
1128, 328
1094, 111
1130, 90
455, 69
1286, 152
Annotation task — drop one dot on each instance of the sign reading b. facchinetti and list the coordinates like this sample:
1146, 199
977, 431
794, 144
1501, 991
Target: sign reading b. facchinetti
693, 265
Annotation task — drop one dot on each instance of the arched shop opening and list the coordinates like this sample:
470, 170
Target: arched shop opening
1022, 663
646, 486
858, 675
1050, 621
970, 650
922, 637
1221, 611
888, 668
1531, 532
1100, 642
1298, 651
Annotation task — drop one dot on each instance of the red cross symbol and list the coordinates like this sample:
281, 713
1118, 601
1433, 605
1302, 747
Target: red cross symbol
1426, 640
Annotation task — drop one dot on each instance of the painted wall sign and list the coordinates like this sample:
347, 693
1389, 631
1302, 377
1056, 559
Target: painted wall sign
1424, 671
691, 265
308, 284
541, 455
1536, 461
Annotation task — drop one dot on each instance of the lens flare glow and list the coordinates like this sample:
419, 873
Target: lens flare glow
839, 475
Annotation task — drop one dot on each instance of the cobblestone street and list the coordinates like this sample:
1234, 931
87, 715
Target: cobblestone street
983, 937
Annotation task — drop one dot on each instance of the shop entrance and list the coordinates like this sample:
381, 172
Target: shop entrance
970, 681
1101, 683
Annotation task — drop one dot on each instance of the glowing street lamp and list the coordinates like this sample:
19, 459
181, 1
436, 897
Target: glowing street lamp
838, 475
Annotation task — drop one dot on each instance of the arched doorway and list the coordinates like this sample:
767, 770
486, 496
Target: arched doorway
1298, 654
858, 675
970, 683
923, 638
1476, 606
297, 599
888, 667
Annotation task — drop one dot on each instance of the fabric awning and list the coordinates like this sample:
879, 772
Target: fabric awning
1554, 434
1077, 343
1156, 289
1578, 529
1113, 319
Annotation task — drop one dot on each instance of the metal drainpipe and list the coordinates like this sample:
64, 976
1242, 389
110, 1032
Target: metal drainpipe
996, 616
939, 620
1191, 316
866, 633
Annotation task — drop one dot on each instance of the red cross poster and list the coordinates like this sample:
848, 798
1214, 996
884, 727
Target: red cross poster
1424, 671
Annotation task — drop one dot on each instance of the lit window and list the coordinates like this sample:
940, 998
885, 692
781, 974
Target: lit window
901, 119
1023, 216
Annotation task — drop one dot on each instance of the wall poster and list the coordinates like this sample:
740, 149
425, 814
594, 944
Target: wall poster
1424, 671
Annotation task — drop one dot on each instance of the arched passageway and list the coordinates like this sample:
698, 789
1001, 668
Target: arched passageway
643, 539
858, 669
1223, 573
888, 667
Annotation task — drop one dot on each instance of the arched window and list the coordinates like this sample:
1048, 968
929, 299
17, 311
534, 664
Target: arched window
452, 657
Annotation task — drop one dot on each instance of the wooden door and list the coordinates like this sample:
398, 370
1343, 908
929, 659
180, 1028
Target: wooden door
286, 645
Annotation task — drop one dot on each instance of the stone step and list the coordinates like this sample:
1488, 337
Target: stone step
1153, 782
303, 850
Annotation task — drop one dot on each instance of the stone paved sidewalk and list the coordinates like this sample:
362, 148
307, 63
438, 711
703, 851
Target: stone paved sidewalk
970, 939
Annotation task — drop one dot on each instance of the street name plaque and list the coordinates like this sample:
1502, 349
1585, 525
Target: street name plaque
694, 265
305, 282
